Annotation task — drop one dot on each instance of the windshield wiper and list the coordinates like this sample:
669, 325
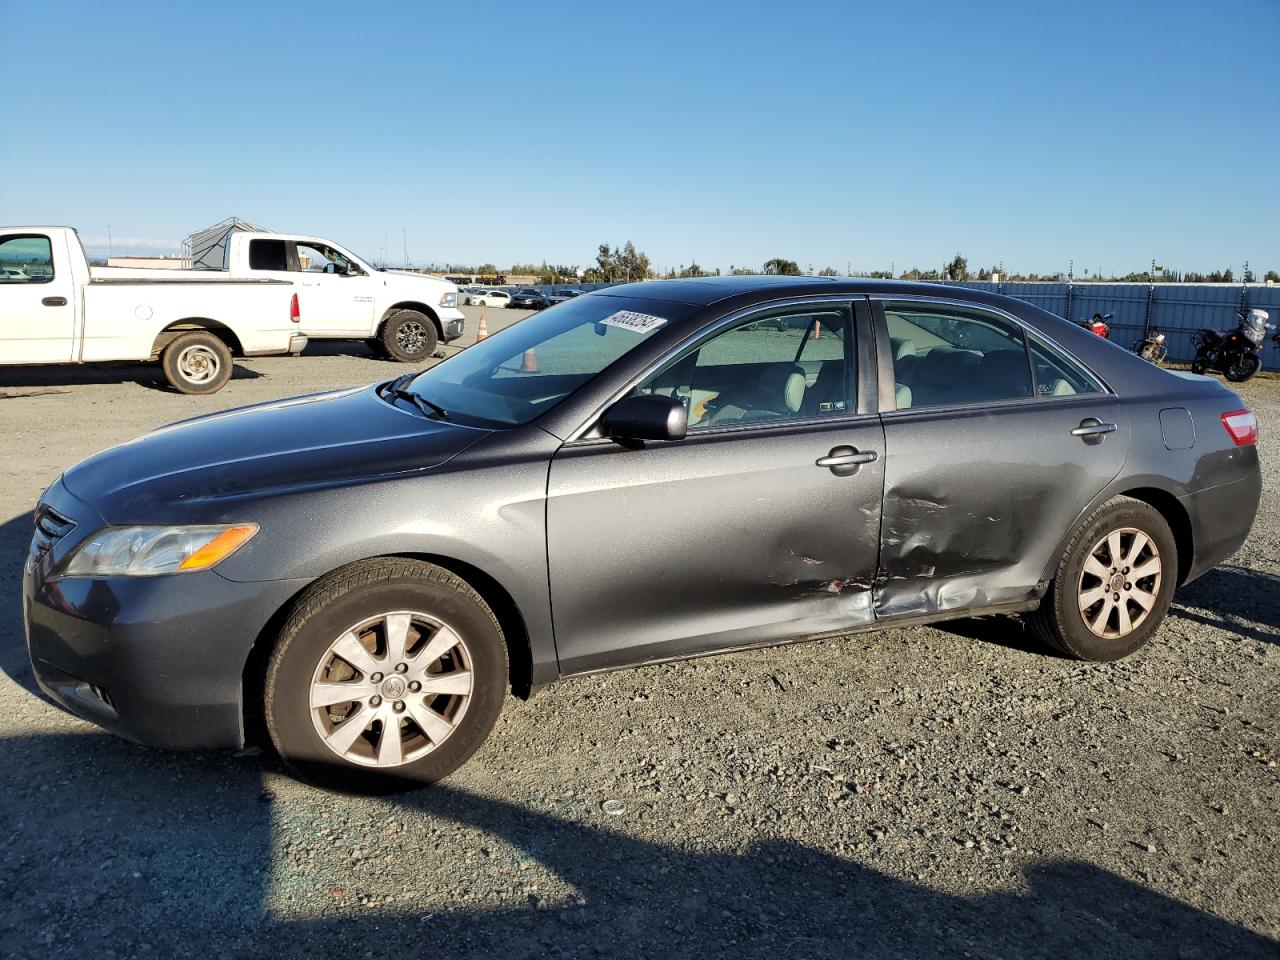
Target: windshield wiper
397, 389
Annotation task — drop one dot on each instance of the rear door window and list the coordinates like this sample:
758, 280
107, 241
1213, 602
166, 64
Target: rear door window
267, 255
944, 356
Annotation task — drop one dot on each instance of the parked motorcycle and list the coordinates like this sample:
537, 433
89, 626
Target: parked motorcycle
1152, 347
1099, 323
1238, 354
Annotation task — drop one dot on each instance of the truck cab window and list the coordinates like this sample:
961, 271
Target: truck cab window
267, 255
26, 259
317, 258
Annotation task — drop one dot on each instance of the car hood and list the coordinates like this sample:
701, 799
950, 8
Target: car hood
346, 436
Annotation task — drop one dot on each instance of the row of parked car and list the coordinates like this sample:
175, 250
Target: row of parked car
524, 298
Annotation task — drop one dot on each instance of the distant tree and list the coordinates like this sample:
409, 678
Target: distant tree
487, 270
623, 263
1271, 276
958, 268
693, 270
881, 274
740, 271
1247, 277
780, 267
828, 272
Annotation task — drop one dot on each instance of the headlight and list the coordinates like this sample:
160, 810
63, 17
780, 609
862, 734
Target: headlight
449, 299
150, 551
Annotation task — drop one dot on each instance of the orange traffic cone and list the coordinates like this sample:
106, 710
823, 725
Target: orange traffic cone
482, 331
529, 364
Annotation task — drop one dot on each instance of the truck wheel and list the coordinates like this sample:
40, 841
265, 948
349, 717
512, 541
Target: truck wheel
196, 363
409, 336
1113, 584
389, 674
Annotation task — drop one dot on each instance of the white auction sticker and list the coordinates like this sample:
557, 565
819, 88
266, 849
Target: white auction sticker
635, 322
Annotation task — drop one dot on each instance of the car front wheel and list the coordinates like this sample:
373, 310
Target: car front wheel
1113, 583
389, 674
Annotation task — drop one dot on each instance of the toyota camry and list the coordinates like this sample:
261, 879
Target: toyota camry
644, 473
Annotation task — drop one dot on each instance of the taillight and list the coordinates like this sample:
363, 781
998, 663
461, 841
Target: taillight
294, 313
1243, 427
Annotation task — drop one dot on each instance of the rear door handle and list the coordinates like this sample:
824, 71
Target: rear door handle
54, 301
1092, 430
844, 461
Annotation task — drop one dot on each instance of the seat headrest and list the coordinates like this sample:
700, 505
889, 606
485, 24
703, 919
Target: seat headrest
786, 381
904, 348
902, 394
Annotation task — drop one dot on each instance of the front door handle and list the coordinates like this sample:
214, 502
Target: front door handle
54, 301
844, 461
1092, 430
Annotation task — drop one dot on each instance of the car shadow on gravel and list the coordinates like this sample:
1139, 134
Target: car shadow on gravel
1001, 631
1235, 599
115, 850
46, 380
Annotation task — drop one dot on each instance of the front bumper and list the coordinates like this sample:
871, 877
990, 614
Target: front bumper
158, 660
451, 329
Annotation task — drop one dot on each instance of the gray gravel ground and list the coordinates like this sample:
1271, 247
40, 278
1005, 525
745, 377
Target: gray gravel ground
921, 792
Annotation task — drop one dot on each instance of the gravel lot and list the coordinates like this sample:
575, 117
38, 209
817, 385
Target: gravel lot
922, 792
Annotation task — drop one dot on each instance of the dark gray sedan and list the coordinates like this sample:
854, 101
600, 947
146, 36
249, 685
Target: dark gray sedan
654, 471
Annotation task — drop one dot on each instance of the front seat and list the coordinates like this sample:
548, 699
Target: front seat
781, 394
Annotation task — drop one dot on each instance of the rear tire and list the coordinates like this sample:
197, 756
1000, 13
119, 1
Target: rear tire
196, 363
409, 336
1244, 368
434, 701
1095, 608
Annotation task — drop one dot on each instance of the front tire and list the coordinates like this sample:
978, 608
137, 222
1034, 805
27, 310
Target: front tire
1199, 365
196, 363
1113, 583
1245, 366
409, 336
388, 675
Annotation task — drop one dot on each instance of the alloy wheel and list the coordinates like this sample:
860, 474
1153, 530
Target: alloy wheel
391, 689
1119, 583
411, 336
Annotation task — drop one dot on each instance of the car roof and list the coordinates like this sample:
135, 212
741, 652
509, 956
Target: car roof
704, 291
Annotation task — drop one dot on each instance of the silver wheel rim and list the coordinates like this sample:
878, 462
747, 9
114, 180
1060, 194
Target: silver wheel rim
391, 689
411, 336
198, 364
1119, 583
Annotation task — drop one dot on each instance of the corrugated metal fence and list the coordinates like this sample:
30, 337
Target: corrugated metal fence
1178, 309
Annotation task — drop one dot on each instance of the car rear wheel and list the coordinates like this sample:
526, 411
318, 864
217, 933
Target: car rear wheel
409, 336
1113, 584
388, 675
196, 363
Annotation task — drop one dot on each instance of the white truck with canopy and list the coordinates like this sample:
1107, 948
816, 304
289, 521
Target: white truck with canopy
55, 309
402, 315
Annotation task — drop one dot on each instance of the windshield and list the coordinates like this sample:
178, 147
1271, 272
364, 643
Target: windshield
523, 371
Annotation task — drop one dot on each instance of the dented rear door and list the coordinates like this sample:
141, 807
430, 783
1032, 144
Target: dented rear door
979, 496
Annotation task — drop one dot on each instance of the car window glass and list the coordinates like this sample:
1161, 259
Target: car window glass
26, 260
946, 356
791, 365
267, 255
317, 258
1057, 375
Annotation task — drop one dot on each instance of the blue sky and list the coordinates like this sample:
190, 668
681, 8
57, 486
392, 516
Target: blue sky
876, 133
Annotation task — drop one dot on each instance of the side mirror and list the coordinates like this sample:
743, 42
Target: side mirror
646, 417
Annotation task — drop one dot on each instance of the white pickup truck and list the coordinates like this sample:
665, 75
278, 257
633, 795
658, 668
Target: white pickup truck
53, 309
402, 315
